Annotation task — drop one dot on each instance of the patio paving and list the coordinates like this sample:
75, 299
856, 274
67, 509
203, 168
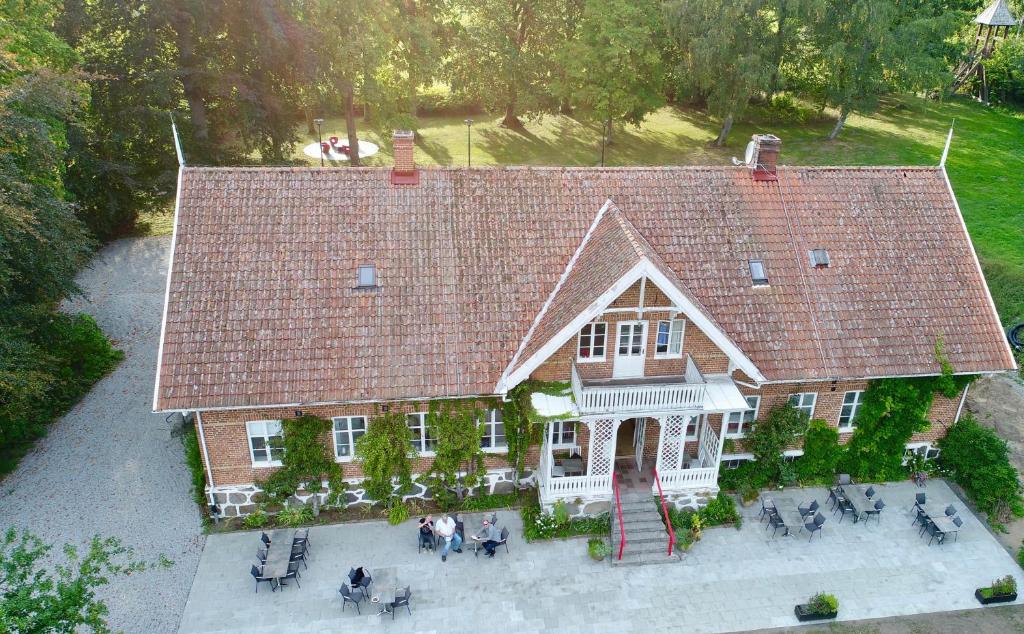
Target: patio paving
730, 581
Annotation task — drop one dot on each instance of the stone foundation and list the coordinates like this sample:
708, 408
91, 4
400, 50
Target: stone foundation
241, 500
692, 500
593, 506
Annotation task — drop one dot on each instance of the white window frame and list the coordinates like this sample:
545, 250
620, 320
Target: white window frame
558, 430
420, 445
590, 349
672, 330
352, 438
696, 427
265, 431
801, 405
753, 408
492, 418
854, 407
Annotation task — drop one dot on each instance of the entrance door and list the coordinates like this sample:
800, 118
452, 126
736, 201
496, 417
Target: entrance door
630, 349
638, 442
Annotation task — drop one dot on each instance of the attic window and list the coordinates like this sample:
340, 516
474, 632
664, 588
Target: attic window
819, 258
757, 273
366, 276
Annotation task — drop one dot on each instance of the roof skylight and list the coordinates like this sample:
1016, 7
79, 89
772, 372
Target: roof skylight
757, 273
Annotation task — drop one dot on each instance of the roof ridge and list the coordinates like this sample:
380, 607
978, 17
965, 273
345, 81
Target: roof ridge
630, 231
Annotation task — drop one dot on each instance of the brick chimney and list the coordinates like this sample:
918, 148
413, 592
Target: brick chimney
766, 156
404, 172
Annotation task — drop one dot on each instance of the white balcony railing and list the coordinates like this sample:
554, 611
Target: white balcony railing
650, 394
680, 479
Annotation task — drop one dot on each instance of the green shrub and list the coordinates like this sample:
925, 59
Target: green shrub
398, 512
440, 99
1004, 585
538, 525
821, 452
295, 516
822, 603
1020, 556
770, 437
194, 461
719, 511
979, 461
561, 513
598, 548
1004, 72
487, 502
256, 519
747, 474
747, 492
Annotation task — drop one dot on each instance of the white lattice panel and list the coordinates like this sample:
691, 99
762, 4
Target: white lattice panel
602, 447
670, 453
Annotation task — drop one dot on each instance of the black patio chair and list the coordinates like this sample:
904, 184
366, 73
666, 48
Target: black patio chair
400, 601
261, 555
504, 539
293, 573
843, 507
950, 511
301, 542
934, 533
919, 501
834, 496
303, 534
766, 505
815, 526
364, 585
877, 512
265, 539
809, 509
959, 522
919, 516
347, 596
775, 522
298, 554
843, 479
257, 574
870, 493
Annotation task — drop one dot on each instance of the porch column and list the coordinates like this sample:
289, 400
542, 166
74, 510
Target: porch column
671, 441
601, 457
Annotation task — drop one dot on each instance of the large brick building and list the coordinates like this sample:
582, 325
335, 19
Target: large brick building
681, 303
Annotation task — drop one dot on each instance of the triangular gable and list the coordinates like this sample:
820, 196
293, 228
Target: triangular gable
611, 257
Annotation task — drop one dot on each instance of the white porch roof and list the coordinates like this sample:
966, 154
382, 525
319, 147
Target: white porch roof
722, 395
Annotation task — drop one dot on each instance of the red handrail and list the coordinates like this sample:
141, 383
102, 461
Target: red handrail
618, 506
664, 510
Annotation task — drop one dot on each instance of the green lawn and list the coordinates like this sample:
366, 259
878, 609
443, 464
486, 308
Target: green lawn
986, 162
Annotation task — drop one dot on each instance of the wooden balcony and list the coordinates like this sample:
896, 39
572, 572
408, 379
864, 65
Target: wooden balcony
643, 394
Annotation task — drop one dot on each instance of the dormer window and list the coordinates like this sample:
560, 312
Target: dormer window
758, 276
366, 276
819, 258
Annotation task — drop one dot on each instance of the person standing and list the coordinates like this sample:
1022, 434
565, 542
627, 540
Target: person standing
490, 537
445, 527
427, 532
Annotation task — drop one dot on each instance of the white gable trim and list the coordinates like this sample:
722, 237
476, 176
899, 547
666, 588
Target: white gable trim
547, 303
167, 290
644, 268
699, 319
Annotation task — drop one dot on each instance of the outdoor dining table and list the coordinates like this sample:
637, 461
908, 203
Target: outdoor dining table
473, 524
934, 510
858, 499
385, 587
279, 554
789, 512
944, 524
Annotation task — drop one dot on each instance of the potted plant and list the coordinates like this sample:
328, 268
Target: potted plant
1001, 591
821, 606
598, 549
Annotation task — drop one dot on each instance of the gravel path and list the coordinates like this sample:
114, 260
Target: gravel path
110, 467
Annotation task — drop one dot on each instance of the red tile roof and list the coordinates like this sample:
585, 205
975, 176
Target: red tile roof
262, 305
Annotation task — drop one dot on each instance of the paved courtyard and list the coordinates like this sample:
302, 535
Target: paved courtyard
730, 581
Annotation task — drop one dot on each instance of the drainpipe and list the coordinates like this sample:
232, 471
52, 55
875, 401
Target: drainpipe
963, 399
206, 452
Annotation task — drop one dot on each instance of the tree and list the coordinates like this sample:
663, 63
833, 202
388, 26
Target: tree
613, 71
34, 598
863, 49
505, 55
726, 50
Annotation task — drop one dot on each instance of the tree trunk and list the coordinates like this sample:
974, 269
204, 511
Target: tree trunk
182, 23
780, 45
843, 113
350, 127
510, 119
724, 133
310, 126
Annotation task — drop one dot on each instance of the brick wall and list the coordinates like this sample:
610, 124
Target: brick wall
709, 358
228, 443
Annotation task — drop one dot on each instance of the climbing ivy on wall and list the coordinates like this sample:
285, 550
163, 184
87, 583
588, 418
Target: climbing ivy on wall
307, 460
456, 427
385, 451
523, 426
891, 412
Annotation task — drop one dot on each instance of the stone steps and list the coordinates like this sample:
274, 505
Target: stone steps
646, 536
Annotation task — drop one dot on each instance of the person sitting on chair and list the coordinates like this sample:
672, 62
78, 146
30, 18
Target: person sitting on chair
452, 540
427, 532
490, 537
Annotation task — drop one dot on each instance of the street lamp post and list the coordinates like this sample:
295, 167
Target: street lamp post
320, 139
469, 136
